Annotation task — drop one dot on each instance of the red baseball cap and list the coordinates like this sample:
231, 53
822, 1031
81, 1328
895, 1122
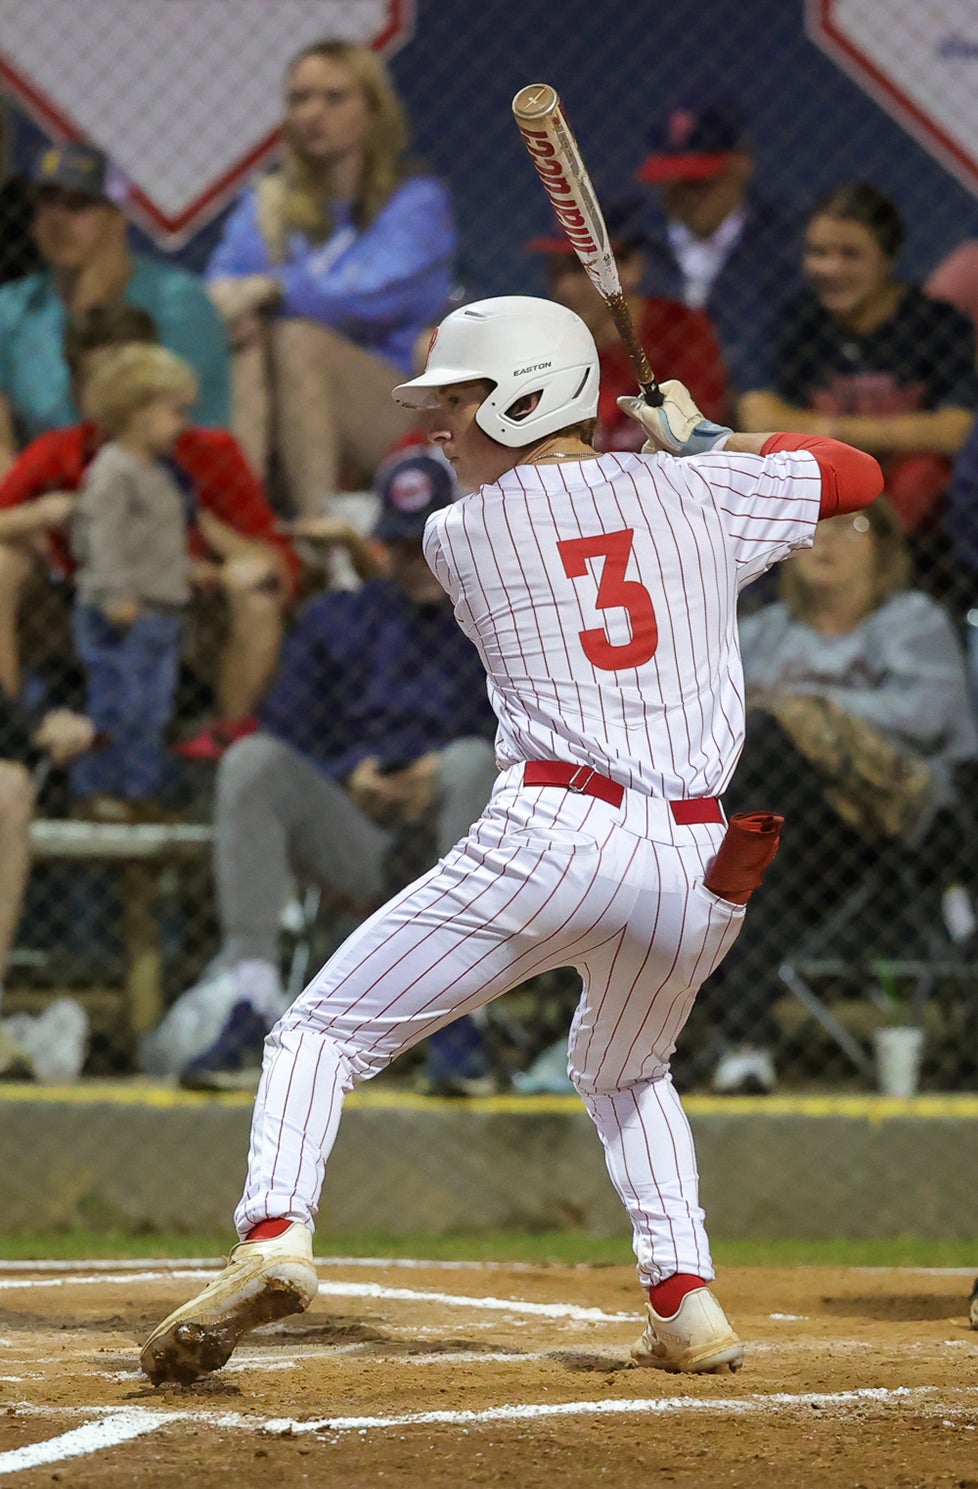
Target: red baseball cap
694, 143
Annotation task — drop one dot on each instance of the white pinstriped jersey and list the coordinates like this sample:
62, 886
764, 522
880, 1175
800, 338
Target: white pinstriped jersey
601, 595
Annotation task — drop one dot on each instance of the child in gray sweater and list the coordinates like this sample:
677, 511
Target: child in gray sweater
129, 535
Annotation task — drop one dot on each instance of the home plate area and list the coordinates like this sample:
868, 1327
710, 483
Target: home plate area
450, 1373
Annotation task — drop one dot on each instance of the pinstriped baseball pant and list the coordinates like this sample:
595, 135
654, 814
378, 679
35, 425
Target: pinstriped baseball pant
545, 878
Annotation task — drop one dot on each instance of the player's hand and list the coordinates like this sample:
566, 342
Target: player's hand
677, 426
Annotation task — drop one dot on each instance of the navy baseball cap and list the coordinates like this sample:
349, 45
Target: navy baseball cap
692, 143
411, 485
82, 169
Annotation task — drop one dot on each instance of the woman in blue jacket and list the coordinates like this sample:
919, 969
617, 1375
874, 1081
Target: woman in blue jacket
327, 274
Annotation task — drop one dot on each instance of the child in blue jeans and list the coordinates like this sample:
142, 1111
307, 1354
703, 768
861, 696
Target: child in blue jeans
129, 535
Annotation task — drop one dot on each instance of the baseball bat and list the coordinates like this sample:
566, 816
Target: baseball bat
554, 151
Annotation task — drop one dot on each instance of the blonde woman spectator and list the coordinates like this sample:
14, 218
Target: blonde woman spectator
130, 539
327, 273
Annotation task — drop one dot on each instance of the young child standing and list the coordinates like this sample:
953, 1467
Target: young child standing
129, 535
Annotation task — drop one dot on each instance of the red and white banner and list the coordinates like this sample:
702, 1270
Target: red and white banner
184, 95
919, 60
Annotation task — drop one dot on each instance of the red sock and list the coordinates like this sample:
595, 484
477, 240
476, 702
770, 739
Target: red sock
666, 1296
267, 1230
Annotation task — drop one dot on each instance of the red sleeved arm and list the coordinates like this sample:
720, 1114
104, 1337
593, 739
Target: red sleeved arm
40, 468
228, 487
850, 478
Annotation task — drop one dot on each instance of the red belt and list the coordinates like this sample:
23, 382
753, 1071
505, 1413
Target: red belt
584, 781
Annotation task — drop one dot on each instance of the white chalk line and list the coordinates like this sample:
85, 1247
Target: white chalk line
114, 1426
659, 1405
214, 1264
93, 1437
107, 1279
374, 1290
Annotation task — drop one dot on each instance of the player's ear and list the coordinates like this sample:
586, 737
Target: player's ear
523, 406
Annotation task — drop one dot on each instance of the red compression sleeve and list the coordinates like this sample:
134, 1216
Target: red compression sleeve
850, 478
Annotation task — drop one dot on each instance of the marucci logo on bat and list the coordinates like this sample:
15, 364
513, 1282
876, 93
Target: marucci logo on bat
558, 189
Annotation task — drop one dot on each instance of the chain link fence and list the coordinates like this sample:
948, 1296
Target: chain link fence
293, 727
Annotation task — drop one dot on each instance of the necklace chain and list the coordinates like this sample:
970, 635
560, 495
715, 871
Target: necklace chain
564, 455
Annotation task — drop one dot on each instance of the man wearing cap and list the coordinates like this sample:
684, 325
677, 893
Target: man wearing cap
80, 230
720, 245
377, 722
675, 335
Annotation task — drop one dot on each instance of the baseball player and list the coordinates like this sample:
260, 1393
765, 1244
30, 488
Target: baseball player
600, 592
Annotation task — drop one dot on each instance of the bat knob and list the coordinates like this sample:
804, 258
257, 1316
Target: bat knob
535, 101
652, 394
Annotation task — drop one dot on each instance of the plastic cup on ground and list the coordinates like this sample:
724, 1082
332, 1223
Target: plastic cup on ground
899, 1052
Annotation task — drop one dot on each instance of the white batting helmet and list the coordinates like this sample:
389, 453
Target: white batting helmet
523, 345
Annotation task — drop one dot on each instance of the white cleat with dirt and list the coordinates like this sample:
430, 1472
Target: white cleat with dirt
697, 1338
263, 1281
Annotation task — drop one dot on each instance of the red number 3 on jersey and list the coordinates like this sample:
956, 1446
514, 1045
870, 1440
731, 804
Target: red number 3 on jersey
614, 592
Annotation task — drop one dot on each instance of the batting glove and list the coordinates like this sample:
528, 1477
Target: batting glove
677, 426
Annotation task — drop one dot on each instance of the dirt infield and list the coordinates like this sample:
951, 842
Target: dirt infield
450, 1374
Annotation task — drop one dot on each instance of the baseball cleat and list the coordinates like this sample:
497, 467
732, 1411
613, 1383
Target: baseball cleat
973, 1306
263, 1281
697, 1338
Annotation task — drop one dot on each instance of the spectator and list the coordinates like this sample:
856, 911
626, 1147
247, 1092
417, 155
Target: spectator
721, 245
326, 275
858, 714
676, 337
378, 721
234, 546
52, 1044
133, 577
869, 360
80, 230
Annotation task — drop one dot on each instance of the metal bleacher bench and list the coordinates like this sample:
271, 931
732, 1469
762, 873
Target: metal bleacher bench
141, 851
